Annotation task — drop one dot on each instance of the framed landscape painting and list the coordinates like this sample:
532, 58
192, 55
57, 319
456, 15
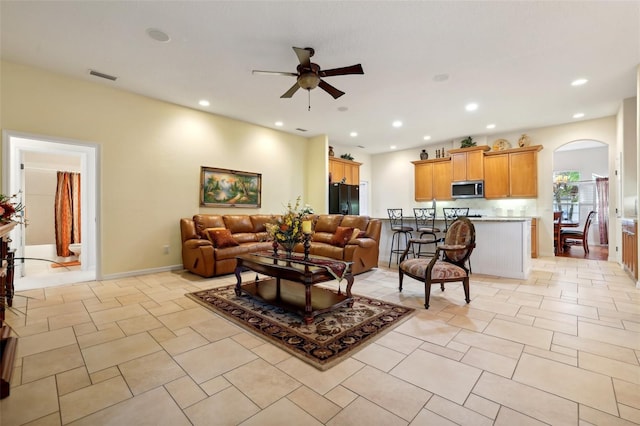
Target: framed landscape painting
229, 188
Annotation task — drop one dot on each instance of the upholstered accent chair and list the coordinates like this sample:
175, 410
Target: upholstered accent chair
448, 263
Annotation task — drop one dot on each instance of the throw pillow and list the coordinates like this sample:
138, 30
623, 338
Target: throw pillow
357, 233
341, 236
221, 238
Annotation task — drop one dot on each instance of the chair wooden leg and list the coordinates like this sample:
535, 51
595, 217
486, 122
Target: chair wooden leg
585, 246
427, 294
442, 286
465, 286
400, 279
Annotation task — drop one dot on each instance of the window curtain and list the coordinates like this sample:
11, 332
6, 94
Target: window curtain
67, 212
602, 197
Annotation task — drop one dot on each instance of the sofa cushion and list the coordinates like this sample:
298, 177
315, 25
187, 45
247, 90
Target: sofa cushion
204, 221
260, 220
328, 223
246, 237
322, 237
221, 238
352, 221
341, 236
238, 223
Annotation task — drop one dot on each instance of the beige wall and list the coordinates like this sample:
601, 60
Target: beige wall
151, 157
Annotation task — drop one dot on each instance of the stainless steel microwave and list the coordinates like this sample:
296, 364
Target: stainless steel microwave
468, 189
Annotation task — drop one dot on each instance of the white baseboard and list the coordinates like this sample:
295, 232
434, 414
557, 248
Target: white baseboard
129, 274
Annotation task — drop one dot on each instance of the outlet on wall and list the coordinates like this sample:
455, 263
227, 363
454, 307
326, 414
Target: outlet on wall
165, 249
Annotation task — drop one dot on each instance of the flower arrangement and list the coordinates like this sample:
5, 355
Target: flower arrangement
10, 210
288, 230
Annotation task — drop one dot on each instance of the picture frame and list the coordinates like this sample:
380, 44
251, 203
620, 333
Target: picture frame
229, 188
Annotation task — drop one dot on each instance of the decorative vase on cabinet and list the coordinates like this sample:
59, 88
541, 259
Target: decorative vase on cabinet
424, 155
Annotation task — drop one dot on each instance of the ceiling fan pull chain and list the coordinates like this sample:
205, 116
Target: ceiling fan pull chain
309, 101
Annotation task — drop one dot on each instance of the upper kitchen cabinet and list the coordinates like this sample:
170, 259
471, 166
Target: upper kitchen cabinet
511, 173
340, 168
432, 179
468, 163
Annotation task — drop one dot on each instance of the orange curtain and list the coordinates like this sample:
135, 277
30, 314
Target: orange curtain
67, 212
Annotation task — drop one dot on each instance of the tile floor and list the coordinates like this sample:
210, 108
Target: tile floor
560, 348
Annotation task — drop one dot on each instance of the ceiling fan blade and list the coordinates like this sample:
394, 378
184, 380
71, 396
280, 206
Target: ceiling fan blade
304, 56
330, 89
292, 74
289, 93
353, 69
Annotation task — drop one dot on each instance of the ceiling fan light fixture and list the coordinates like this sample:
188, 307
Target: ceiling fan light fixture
308, 80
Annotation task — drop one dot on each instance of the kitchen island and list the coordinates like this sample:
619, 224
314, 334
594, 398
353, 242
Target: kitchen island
503, 245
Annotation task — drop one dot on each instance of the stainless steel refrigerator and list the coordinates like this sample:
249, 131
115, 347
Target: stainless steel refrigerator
344, 199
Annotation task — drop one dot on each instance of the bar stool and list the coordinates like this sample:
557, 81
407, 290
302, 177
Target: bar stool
425, 225
452, 213
399, 229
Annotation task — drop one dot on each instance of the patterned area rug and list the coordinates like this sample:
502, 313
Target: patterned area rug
331, 338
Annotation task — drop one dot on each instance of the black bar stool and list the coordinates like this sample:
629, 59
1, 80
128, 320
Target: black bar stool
425, 225
399, 229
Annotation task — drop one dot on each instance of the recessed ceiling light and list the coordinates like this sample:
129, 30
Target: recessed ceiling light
441, 77
392, 147
158, 35
353, 134
579, 82
397, 123
204, 103
279, 123
578, 115
343, 109
471, 107
491, 126
427, 138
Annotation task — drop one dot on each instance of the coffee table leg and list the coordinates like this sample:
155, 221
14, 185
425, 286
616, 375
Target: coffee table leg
308, 316
239, 280
349, 278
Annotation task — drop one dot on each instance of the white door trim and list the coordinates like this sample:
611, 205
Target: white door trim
14, 143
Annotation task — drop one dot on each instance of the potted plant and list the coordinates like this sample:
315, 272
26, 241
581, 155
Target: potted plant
467, 142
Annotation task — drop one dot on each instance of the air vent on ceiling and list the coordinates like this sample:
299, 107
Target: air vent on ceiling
301, 130
102, 75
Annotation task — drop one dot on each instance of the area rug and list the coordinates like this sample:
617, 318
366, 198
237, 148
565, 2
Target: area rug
331, 338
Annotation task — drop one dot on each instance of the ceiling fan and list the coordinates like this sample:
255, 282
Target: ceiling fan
309, 75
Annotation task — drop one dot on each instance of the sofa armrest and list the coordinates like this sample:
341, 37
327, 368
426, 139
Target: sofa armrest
195, 243
362, 242
197, 257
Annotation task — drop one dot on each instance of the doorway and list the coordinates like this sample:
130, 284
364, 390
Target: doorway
579, 169
25, 162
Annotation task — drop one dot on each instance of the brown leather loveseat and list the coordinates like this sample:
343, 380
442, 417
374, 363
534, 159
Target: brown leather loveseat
210, 243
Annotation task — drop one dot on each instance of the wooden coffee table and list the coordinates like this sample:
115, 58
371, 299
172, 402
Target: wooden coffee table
291, 283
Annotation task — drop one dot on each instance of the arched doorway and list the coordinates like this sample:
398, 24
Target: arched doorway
580, 185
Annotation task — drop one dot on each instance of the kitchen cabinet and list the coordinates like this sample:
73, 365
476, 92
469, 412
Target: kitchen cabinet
630, 246
432, 179
511, 173
468, 163
340, 168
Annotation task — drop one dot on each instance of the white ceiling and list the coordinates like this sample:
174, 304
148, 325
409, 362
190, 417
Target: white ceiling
515, 59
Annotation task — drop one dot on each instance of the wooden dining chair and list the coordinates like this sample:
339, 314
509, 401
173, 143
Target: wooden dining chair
557, 220
575, 236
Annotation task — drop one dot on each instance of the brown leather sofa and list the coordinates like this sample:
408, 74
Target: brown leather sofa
202, 257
